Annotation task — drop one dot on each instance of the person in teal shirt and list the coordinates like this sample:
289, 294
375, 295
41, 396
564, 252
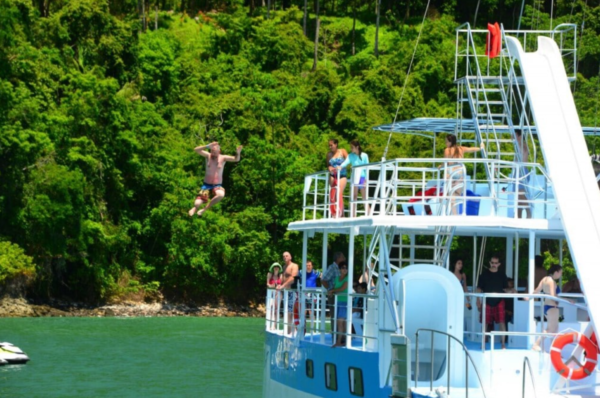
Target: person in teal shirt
357, 158
340, 288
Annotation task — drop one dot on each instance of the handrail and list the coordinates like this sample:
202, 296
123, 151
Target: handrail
468, 358
397, 182
528, 296
318, 305
526, 363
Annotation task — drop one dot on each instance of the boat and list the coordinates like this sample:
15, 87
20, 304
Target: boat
417, 336
12, 355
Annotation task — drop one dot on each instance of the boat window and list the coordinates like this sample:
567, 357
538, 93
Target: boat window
330, 377
356, 382
310, 369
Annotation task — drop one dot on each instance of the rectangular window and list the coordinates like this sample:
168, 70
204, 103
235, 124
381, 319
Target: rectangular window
330, 377
310, 369
356, 382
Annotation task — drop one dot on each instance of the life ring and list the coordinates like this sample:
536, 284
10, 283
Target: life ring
590, 361
593, 338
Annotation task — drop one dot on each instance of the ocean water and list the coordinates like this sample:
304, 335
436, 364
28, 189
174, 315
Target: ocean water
135, 357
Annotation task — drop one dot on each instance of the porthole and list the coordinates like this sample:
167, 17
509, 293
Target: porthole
330, 377
356, 382
310, 369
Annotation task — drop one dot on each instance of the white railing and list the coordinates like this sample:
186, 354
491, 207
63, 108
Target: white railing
485, 296
438, 187
466, 39
291, 311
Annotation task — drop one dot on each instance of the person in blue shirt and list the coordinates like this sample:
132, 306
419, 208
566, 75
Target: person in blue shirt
311, 275
357, 158
311, 282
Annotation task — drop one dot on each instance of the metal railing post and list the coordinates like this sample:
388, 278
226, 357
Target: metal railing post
431, 364
417, 360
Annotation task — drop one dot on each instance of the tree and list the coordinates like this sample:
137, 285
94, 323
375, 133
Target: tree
378, 12
318, 25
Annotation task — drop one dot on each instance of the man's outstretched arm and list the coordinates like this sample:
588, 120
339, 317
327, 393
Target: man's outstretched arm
202, 150
236, 158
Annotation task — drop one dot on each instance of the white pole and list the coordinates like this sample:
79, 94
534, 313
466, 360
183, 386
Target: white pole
560, 258
516, 260
509, 257
412, 248
323, 298
530, 282
348, 330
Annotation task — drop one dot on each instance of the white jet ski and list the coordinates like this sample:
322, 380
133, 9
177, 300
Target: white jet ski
12, 355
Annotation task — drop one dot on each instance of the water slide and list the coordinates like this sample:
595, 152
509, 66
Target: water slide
567, 159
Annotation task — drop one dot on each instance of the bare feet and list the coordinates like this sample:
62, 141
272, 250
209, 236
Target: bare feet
192, 211
536, 348
200, 212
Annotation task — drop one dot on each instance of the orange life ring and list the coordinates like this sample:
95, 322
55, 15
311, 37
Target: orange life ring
590, 361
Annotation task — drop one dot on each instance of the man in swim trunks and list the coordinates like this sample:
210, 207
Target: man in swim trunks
290, 272
213, 178
493, 281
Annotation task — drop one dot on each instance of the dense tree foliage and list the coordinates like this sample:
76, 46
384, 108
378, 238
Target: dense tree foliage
103, 101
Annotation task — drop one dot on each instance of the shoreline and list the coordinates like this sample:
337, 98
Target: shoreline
21, 308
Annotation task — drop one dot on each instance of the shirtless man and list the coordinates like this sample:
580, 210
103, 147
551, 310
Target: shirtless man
290, 271
213, 178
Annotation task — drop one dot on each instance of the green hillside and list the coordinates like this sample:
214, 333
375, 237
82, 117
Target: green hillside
100, 111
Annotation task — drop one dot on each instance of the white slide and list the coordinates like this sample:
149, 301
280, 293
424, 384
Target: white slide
567, 159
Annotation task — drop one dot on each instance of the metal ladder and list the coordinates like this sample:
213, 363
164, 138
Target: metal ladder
489, 107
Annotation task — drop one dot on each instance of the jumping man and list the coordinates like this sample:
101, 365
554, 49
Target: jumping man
213, 178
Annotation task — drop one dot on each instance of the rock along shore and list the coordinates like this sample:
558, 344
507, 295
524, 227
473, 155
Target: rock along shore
19, 307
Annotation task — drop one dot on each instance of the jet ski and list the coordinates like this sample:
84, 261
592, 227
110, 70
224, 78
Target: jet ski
12, 355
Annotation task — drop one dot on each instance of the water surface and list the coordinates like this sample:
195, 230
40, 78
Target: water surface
135, 357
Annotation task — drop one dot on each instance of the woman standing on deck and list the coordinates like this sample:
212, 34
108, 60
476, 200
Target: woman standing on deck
454, 151
455, 171
549, 286
357, 158
456, 269
340, 288
335, 158
274, 280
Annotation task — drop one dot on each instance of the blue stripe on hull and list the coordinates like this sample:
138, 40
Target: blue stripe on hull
287, 365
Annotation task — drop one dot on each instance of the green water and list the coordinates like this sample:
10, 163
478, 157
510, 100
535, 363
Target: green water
135, 357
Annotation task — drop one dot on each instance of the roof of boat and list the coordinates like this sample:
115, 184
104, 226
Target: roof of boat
429, 127
465, 226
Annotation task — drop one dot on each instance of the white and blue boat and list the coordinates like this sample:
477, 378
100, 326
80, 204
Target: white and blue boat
12, 355
417, 337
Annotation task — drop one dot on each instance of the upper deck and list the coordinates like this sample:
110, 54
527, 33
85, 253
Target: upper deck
424, 193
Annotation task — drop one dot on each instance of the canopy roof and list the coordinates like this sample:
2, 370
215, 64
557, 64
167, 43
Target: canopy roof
428, 127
